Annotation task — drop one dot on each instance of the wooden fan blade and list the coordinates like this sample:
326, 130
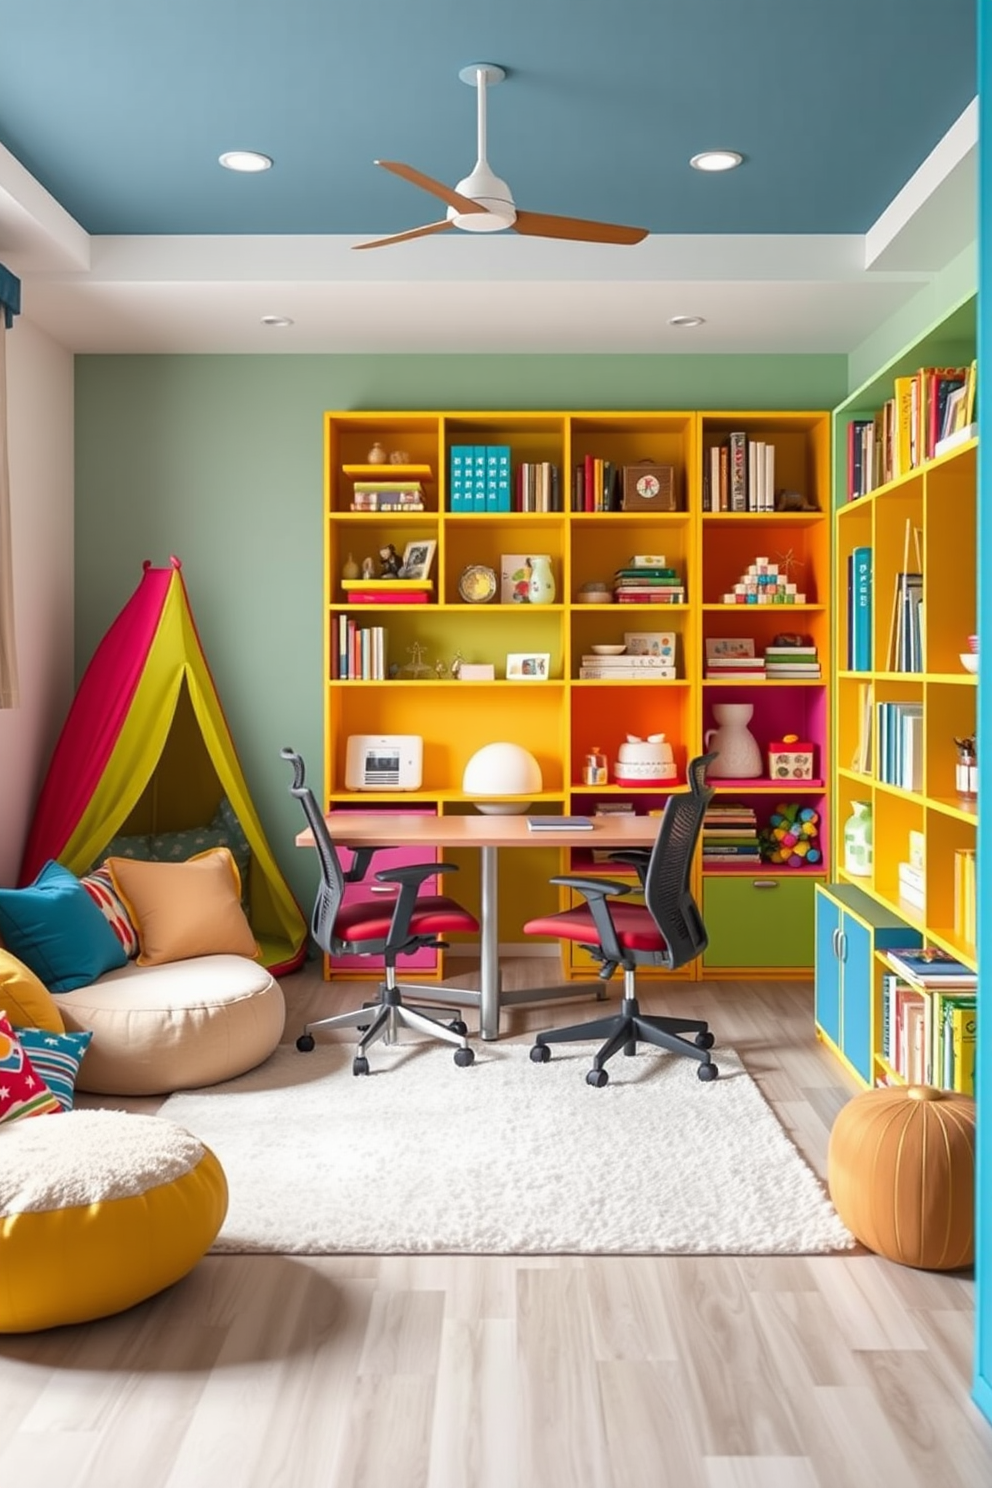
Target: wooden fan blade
436, 188
541, 225
415, 232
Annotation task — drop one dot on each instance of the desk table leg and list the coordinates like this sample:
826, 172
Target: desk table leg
489, 973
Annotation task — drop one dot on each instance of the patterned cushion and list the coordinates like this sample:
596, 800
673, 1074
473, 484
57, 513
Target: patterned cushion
22, 1090
54, 927
100, 887
56, 1058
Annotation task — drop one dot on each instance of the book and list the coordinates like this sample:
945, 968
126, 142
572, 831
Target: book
859, 658
929, 966
559, 823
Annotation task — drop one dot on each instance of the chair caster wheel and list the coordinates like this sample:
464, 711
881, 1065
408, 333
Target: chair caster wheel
707, 1072
704, 1040
360, 1065
459, 1027
305, 1043
540, 1054
597, 1077
464, 1057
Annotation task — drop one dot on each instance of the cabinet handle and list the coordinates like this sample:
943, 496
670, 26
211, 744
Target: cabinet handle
764, 883
835, 941
843, 944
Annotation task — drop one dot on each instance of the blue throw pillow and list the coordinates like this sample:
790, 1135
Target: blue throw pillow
54, 927
56, 1058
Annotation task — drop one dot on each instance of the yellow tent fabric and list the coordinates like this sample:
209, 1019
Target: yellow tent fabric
173, 761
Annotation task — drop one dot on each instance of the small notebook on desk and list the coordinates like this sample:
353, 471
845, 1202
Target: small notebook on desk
559, 823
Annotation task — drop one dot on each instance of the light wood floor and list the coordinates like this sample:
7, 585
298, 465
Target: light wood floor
523, 1372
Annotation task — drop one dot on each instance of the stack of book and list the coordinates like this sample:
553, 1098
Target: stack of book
730, 834
734, 668
385, 495
640, 584
900, 745
387, 591
798, 663
931, 967
626, 668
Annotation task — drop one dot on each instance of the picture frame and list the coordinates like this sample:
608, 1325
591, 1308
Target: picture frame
418, 557
528, 666
717, 646
651, 643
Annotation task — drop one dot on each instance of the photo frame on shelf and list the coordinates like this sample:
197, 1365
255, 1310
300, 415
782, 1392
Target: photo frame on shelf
729, 646
528, 666
650, 643
418, 558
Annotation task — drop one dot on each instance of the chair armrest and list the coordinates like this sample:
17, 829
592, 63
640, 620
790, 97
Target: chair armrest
414, 873
361, 858
592, 887
637, 857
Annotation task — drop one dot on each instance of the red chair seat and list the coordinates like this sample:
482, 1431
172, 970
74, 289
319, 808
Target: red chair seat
434, 914
635, 928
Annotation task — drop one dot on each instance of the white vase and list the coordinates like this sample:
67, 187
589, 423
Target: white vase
737, 751
541, 589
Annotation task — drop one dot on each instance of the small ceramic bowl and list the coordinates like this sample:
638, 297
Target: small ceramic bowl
969, 661
608, 650
594, 594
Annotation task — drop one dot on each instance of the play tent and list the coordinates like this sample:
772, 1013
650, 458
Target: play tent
146, 749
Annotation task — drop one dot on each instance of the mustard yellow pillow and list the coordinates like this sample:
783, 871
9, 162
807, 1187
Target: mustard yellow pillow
27, 1000
185, 909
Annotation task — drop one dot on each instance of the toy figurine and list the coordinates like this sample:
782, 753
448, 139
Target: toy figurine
390, 562
368, 568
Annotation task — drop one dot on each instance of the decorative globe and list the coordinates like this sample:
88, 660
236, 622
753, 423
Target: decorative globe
502, 770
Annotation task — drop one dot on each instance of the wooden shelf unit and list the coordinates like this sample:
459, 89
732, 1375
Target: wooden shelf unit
560, 720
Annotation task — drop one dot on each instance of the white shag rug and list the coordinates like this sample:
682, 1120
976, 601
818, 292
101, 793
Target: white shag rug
505, 1156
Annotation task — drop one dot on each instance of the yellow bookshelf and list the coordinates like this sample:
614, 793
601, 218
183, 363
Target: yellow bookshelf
924, 828
761, 921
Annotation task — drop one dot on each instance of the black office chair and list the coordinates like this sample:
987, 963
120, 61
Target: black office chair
666, 930
378, 927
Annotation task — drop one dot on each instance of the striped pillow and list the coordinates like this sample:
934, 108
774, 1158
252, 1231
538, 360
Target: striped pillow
22, 1090
100, 887
56, 1058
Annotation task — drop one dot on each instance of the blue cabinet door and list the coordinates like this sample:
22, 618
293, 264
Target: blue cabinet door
827, 975
857, 970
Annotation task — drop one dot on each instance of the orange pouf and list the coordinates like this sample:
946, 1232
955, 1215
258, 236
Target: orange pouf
901, 1173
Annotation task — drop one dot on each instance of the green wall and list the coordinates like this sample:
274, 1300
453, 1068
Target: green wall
217, 459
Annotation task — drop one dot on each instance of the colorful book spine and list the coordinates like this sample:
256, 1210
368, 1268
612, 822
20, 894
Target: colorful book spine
737, 444
861, 610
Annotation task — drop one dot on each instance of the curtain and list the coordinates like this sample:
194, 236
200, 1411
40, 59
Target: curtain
10, 304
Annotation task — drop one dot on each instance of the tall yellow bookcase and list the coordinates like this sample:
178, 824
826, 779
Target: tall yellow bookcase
923, 520
760, 920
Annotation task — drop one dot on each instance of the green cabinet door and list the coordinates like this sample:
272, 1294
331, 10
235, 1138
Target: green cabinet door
760, 921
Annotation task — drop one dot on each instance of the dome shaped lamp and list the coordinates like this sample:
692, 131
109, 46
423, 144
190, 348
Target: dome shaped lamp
502, 770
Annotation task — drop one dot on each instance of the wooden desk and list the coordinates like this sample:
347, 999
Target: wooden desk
488, 834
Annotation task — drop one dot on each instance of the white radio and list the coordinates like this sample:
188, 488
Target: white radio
384, 762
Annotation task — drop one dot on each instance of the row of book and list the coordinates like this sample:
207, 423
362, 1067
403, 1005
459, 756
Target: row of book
480, 479
358, 652
627, 668
739, 475
929, 1038
900, 745
380, 496
730, 834
928, 410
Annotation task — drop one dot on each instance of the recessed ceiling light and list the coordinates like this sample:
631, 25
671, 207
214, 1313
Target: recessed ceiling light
716, 160
687, 320
244, 160
277, 320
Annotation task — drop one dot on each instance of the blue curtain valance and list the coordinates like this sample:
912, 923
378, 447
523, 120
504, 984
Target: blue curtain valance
10, 296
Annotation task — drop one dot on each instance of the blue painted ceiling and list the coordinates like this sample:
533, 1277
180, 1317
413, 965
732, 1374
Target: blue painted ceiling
120, 108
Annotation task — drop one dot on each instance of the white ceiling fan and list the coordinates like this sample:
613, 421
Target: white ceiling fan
483, 203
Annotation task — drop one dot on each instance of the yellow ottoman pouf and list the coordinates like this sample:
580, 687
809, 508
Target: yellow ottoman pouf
901, 1174
99, 1210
